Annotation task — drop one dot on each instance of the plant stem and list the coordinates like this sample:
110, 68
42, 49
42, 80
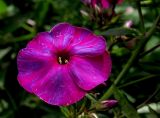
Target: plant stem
150, 97
65, 111
140, 15
24, 37
28, 28
14, 106
148, 51
91, 98
139, 80
133, 57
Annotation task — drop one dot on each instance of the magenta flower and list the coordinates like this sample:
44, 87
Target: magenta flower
61, 65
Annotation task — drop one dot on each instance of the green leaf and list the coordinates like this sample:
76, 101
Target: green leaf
3, 7
155, 113
2, 78
8, 113
119, 51
41, 11
127, 109
121, 31
65, 111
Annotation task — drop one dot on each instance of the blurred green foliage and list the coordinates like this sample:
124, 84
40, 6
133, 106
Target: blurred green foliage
21, 20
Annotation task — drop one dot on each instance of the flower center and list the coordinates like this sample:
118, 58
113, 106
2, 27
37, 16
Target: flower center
63, 59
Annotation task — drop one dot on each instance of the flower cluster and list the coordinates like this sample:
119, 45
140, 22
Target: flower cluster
102, 3
102, 10
62, 65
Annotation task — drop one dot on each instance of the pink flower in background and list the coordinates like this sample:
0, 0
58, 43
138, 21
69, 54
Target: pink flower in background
102, 3
87, 2
61, 65
128, 23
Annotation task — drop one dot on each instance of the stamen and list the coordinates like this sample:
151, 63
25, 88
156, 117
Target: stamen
63, 59
66, 61
60, 60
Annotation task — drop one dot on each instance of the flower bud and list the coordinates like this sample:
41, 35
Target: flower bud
128, 23
109, 103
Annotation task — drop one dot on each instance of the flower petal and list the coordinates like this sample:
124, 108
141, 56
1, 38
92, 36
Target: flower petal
31, 66
90, 45
94, 3
86, 43
105, 4
58, 87
62, 34
42, 43
89, 72
77, 41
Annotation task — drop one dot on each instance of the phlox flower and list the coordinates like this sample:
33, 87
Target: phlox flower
62, 65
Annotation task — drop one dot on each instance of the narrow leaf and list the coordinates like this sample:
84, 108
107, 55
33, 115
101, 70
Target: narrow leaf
121, 31
127, 109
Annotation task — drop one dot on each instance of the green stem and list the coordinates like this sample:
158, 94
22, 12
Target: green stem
82, 108
150, 97
28, 28
24, 37
133, 57
139, 80
65, 111
14, 106
140, 15
148, 51
91, 98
